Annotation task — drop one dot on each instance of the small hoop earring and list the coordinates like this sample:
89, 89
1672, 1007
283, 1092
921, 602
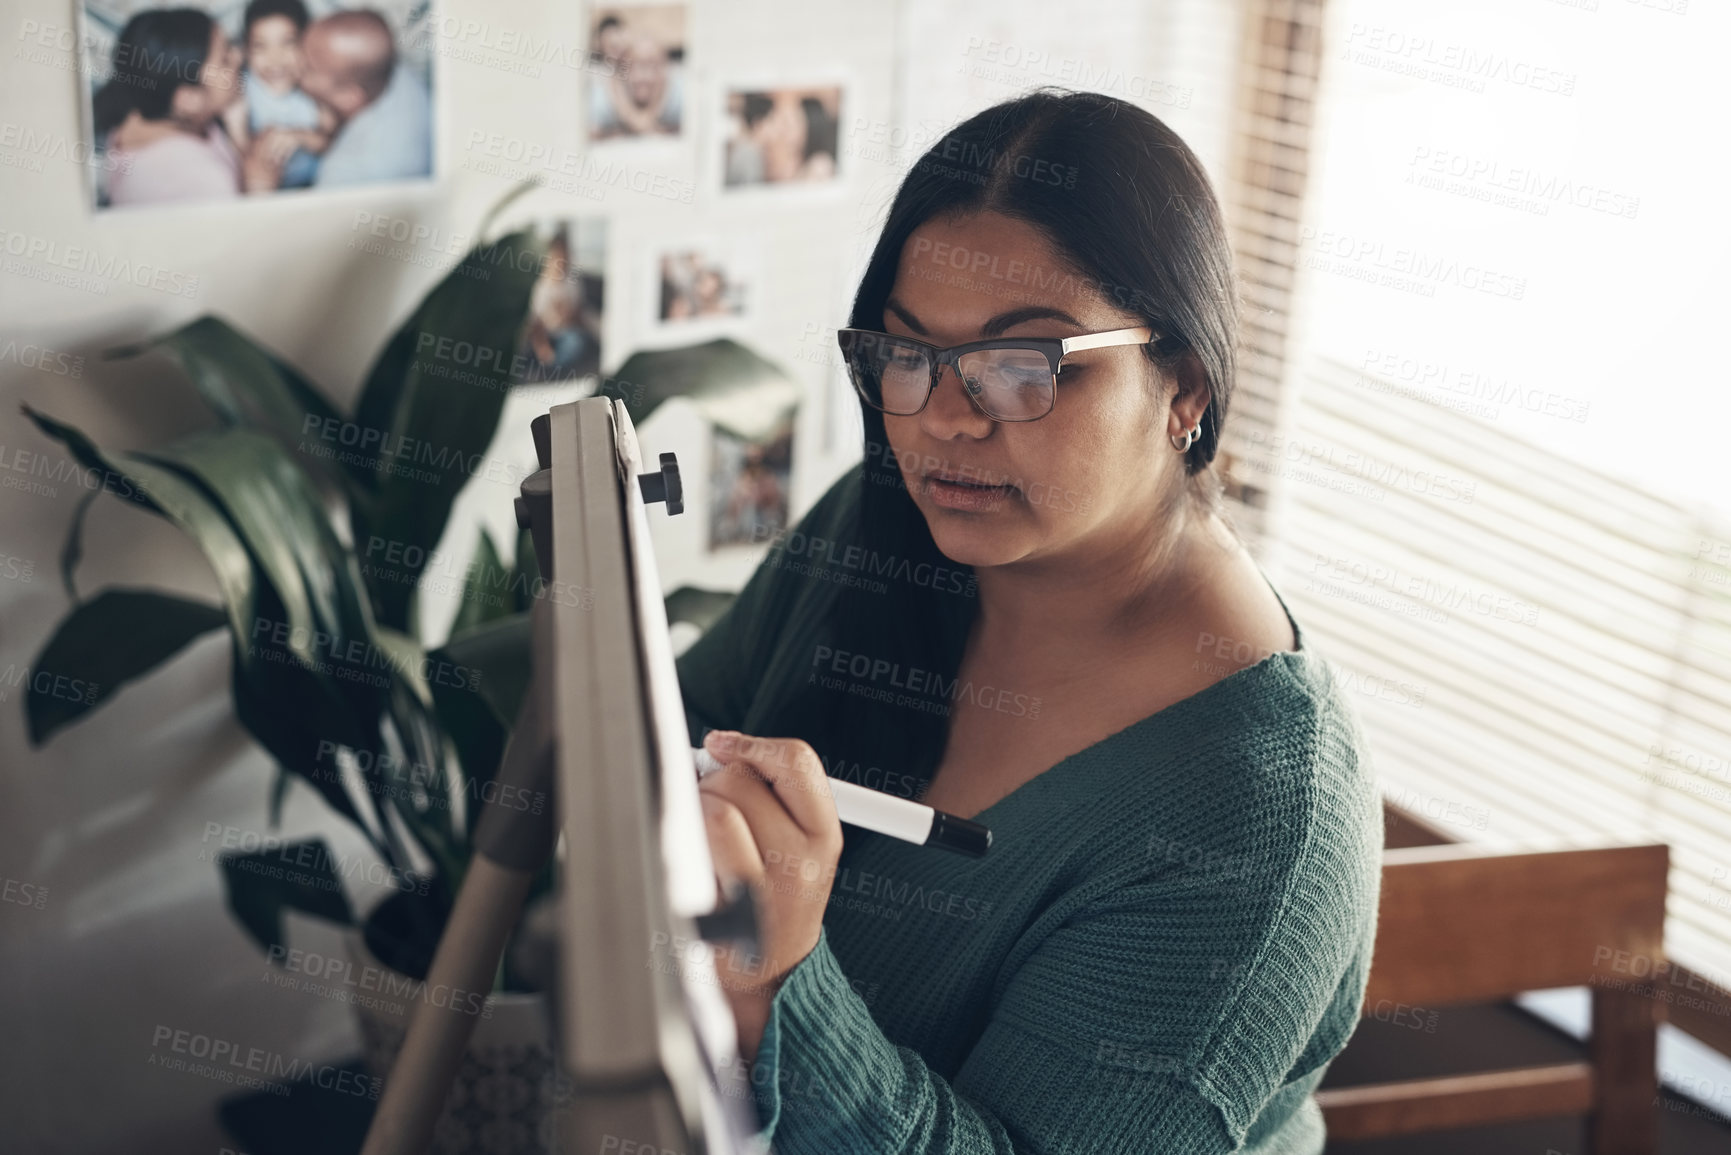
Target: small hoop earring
1183, 446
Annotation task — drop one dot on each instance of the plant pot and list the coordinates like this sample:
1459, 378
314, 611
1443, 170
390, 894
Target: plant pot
503, 1098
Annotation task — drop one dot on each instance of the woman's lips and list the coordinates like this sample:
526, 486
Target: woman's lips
965, 495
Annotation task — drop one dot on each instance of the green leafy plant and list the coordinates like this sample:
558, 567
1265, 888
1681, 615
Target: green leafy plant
328, 675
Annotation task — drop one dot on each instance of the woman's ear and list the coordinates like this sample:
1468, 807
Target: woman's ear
1190, 401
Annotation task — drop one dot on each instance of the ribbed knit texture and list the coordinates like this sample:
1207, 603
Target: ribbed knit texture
1164, 948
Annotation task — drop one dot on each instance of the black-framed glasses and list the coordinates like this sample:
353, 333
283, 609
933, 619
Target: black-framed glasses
1008, 378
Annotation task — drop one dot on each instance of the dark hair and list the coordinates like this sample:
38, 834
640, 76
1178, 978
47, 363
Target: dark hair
821, 130
755, 107
1136, 215
293, 10
158, 50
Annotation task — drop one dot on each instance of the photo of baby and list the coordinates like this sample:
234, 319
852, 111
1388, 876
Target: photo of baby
636, 71
223, 100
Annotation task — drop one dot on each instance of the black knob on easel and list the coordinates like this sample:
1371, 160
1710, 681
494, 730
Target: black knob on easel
664, 486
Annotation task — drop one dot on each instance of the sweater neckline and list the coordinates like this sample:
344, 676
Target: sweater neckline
1286, 661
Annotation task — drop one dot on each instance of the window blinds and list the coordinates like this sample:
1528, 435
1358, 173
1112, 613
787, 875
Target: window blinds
1263, 202
1540, 653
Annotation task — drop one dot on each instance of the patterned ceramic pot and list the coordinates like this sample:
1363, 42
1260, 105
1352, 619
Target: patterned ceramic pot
503, 1099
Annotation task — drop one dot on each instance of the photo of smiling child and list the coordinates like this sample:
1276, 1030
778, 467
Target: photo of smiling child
276, 111
224, 100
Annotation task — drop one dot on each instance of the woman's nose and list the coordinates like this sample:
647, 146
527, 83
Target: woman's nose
951, 411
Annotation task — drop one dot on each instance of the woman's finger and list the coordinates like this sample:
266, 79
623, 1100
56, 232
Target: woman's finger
732, 845
742, 785
793, 770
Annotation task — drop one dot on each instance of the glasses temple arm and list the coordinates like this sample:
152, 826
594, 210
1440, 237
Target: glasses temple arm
1136, 336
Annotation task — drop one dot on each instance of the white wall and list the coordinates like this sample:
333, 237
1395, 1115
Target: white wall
111, 816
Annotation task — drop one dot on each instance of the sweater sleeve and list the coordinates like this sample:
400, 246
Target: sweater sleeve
1174, 1014
827, 1080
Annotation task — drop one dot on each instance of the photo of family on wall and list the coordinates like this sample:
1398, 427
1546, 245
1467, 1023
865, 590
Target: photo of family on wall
217, 101
562, 338
782, 135
697, 284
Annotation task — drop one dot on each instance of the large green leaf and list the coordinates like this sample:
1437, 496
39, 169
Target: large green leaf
409, 659
117, 636
243, 382
167, 493
272, 503
295, 876
474, 730
425, 797
498, 656
296, 701
431, 405
486, 589
371, 694
525, 572
420, 787
73, 551
732, 385
291, 712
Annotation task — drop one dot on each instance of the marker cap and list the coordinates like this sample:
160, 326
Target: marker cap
959, 834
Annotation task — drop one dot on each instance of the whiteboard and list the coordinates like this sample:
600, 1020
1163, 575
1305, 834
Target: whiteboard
646, 1036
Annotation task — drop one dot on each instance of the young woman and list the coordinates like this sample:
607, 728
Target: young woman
159, 115
1024, 607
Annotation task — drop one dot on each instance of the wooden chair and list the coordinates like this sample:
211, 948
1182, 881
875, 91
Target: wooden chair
1460, 925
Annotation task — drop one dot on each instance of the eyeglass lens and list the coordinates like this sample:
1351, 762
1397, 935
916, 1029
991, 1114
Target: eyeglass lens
1009, 384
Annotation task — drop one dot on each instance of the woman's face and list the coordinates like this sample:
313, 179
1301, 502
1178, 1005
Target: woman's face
196, 105
1082, 480
781, 136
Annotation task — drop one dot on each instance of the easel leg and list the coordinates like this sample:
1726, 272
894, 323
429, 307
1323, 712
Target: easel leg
487, 908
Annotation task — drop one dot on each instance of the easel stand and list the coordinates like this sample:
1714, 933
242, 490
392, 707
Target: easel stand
625, 1084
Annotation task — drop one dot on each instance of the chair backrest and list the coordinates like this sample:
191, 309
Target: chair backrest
1459, 924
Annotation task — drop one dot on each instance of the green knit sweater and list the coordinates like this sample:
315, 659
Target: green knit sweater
1163, 950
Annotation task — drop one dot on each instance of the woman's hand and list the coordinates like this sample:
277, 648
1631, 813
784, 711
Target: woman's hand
772, 826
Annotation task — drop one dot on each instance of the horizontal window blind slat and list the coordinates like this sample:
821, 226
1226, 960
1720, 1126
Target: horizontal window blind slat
1605, 714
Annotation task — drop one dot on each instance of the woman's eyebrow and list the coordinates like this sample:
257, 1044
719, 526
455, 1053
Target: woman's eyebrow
996, 325
1028, 313
907, 318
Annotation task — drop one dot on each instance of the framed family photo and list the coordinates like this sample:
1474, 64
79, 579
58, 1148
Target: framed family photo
702, 285
749, 482
216, 100
783, 135
561, 340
